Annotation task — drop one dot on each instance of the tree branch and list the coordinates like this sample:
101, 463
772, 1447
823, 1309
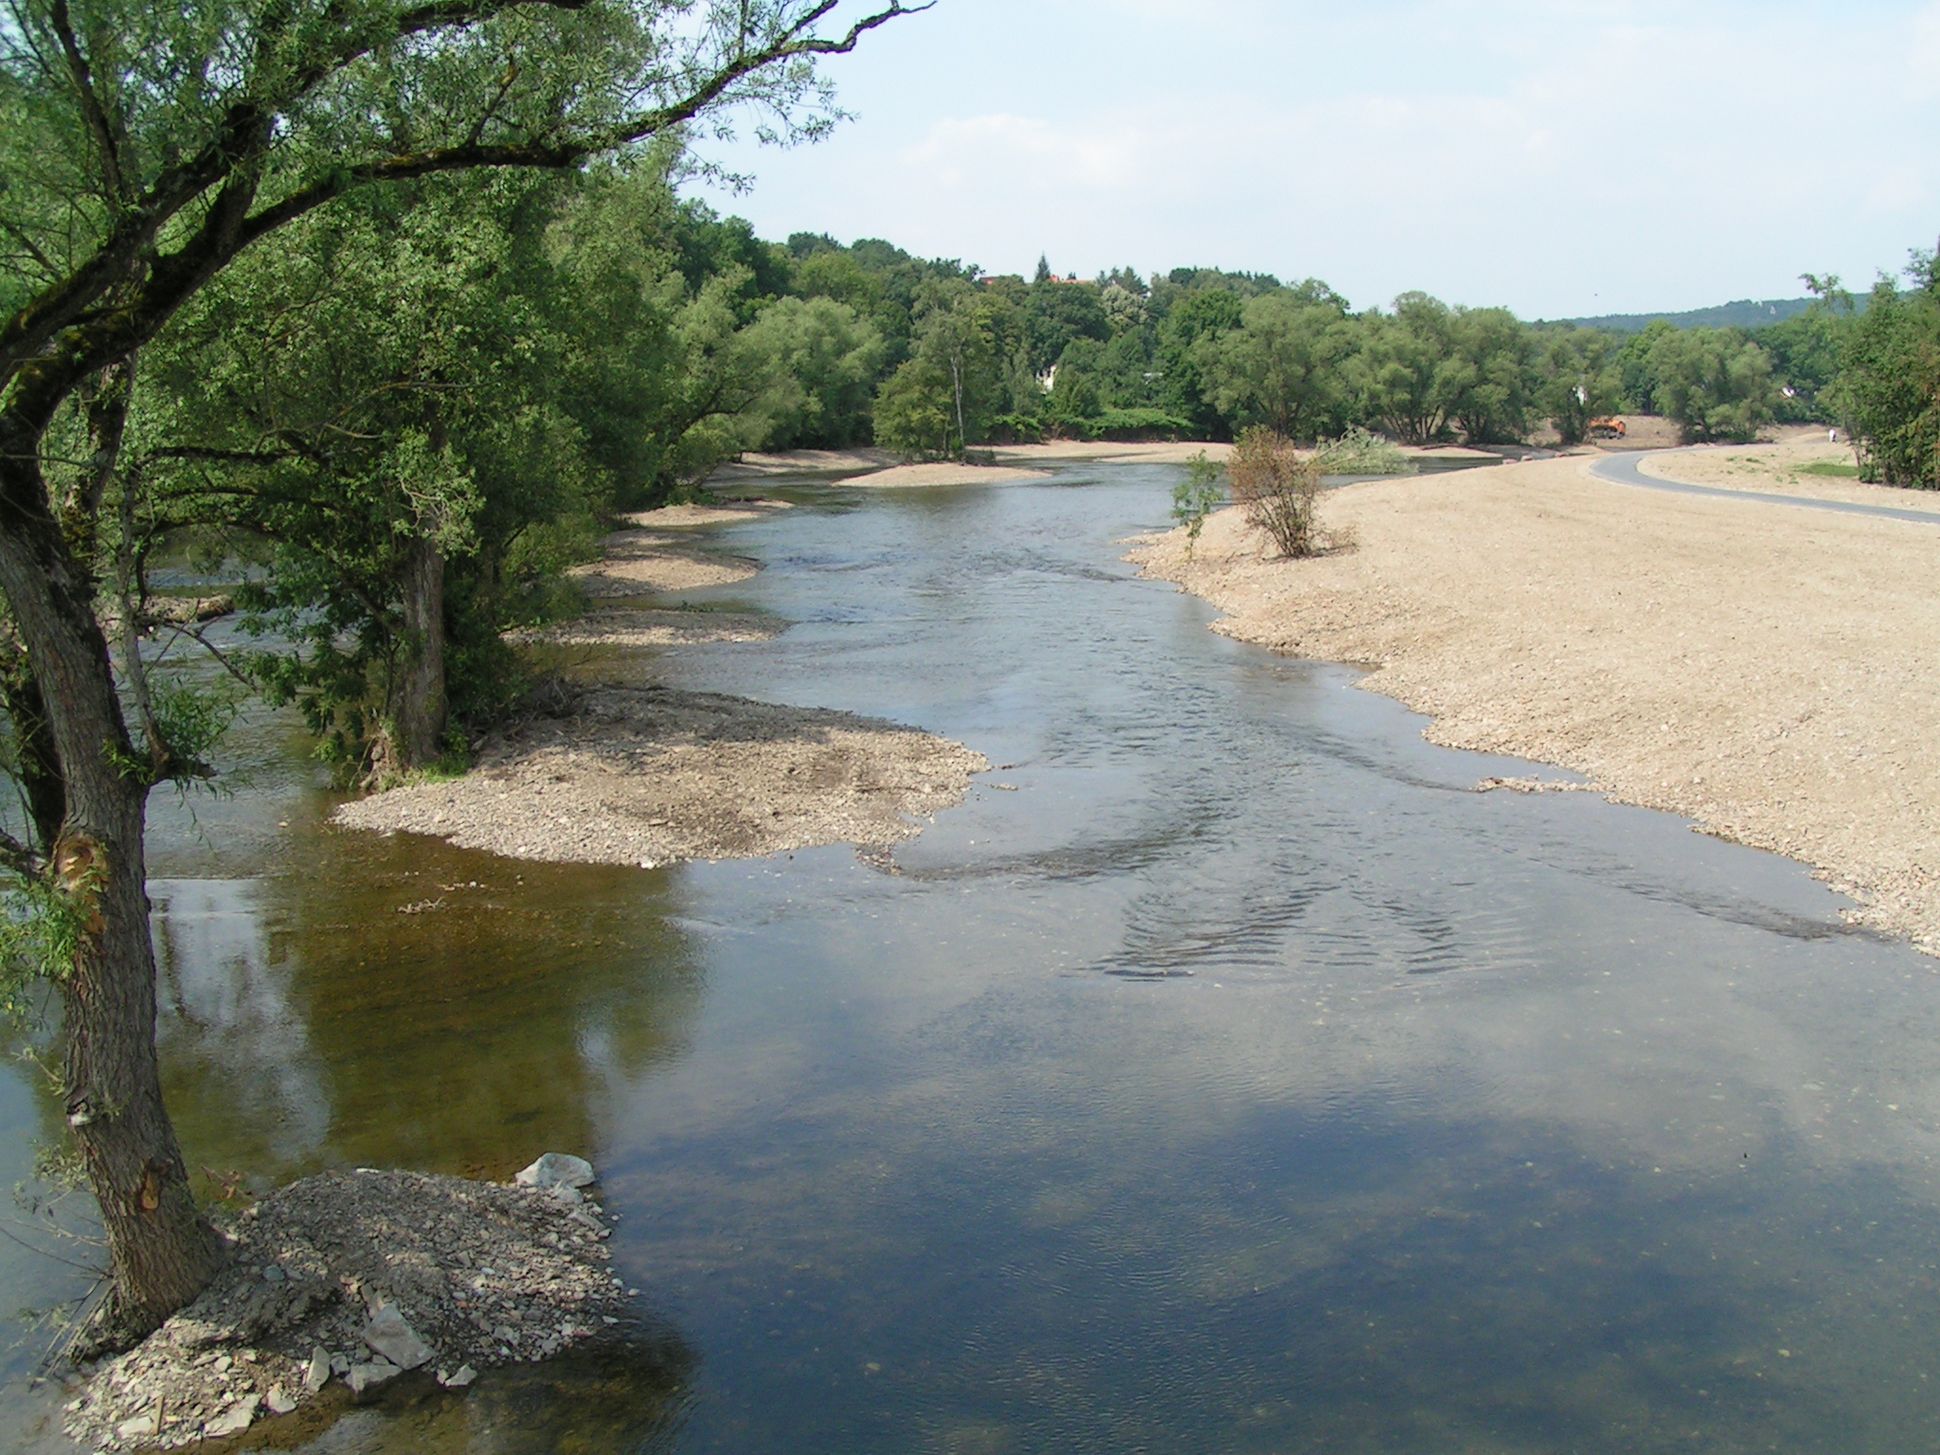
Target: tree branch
19, 858
233, 156
82, 76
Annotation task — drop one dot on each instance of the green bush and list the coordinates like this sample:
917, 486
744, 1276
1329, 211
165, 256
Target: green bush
1359, 452
1135, 425
1016, 429
1197, 496
1278, 487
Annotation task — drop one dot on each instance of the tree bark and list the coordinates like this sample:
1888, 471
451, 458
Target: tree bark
956, 381
161, 1250
419, 729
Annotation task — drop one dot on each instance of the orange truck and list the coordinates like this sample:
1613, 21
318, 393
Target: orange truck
1610, 427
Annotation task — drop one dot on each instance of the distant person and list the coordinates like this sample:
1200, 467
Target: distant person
1832, 436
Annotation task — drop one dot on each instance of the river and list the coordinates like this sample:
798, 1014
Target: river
1226, 1074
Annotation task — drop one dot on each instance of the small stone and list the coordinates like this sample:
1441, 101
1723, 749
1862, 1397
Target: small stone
459, 1378
368, 1376
557, 1169
318, 1374
223, 1364
279, 1403
340, 1365
273, 1274
503, 1333
234, 1420
389, 1335
141, 1427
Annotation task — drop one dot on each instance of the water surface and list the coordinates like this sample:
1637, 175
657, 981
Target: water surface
1226, 1074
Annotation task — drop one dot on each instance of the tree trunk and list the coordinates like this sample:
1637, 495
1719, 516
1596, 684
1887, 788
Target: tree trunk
956, 381
419, 729
161, 1250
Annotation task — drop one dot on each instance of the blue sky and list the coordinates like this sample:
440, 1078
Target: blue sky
1560, 158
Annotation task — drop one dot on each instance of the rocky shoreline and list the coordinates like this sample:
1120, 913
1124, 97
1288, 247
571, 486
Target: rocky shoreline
343, 1282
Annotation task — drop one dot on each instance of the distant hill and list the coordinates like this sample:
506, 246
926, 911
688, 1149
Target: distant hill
1745, 313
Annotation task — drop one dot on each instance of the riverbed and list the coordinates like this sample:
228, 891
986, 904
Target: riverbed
1226, 1074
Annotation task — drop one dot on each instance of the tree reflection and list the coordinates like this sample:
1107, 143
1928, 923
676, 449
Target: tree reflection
396, 1002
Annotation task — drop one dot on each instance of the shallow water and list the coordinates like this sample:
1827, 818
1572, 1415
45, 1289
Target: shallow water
1238, 1080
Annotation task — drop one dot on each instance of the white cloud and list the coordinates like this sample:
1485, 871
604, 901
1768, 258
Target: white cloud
961, 151
1554, 156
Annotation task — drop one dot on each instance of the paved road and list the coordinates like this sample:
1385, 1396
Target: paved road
1622, 470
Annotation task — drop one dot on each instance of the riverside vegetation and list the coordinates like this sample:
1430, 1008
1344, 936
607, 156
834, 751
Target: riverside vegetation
402, 307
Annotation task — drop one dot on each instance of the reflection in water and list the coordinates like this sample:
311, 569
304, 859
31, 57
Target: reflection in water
401, 1003
629, 1396
1241, 1080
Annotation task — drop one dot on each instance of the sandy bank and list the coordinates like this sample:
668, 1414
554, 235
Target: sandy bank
1783, 467
644, 775
1164, 452
1014, 462
941, 472
1764, 671
641, 562
761, 465
649, 627
688, 517
1447, 452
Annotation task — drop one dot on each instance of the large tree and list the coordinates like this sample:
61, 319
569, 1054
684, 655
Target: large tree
954, 378
1715, 382
144, 148
1578, 380
1282, 367
1406, 372
1888, 389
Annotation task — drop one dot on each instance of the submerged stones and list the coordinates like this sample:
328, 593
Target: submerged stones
384, 1273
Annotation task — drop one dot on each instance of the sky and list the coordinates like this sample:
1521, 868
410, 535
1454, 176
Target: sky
1562, 158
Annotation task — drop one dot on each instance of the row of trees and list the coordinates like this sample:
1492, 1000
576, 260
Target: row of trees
960, 359
938, 358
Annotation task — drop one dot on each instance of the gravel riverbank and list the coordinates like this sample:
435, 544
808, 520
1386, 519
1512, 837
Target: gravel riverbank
1762, 670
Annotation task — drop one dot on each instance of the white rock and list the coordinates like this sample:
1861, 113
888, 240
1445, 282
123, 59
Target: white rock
234, 1420
141, 1427
318, 1374
463, 1376
279, 1403
389, 1335
557, 1169
369, 1376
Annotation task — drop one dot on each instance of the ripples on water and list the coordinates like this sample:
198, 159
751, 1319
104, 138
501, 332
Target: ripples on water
1241, 1081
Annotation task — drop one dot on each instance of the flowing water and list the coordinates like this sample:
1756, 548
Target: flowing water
1225, 1074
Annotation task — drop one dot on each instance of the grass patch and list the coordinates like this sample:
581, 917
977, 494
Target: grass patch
1830, 468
